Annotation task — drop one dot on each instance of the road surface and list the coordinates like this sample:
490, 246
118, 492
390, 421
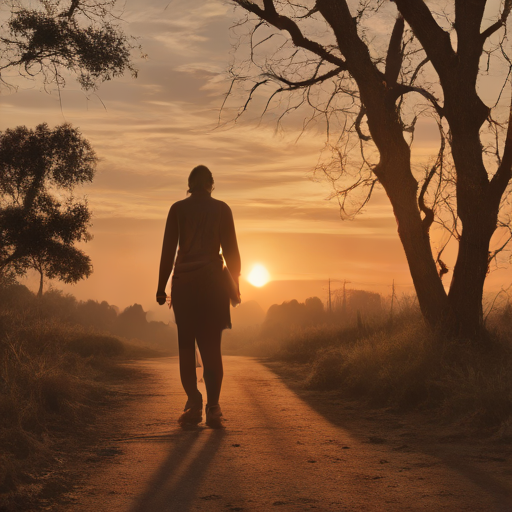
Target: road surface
277, 453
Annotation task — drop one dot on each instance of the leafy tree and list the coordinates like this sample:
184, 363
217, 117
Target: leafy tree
46, 37
314, 308
39, 225
372, 68
101, 316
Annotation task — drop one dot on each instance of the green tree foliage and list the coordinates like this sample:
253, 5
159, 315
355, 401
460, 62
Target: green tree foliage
40, 220
46, 37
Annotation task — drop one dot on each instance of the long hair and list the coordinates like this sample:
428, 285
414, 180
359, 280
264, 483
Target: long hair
200, 178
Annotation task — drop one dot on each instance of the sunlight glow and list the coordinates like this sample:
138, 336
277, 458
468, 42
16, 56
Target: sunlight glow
258, 276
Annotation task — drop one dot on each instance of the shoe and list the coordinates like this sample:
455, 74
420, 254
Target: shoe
191, 416
193, 413
214, 417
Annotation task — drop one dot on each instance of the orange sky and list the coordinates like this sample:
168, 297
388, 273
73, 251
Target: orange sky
151, 131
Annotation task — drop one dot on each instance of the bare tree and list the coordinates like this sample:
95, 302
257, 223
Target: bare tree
372, 68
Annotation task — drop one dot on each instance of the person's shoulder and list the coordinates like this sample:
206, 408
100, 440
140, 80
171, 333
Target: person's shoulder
177, 206
224, 206
226, 215
180, 203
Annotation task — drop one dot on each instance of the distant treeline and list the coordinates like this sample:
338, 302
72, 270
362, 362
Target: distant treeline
131, 323
358, 308
355, 305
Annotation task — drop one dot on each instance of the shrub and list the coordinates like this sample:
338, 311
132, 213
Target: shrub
96, 345
302, 345
327, 369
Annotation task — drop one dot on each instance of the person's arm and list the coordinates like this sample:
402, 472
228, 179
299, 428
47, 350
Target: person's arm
168, 253
229, 244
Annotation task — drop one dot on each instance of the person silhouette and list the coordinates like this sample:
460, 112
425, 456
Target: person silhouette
200, 226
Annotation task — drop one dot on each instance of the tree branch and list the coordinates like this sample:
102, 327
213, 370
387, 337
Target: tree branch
355, 51
395, 54
468, 19
428, 212
502, 177
357, 124
418, 69
16, 255
402, 89
428, 220
435, 41
493, 254
489, 31
306, 83
249, 98
72, 8
271, 16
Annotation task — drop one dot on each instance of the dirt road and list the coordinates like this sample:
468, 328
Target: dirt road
276, 453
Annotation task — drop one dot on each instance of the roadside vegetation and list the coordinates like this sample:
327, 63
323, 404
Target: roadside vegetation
57, 377
394, 361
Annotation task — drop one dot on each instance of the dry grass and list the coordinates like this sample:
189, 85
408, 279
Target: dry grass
409, 367
303, 345
54, 381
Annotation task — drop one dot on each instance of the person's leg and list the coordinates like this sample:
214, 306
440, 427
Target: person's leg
209, 342
187, 351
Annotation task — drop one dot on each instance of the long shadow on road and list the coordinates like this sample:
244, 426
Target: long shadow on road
174, 486
455, 451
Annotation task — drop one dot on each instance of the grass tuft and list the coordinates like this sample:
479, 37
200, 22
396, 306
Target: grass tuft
94, 345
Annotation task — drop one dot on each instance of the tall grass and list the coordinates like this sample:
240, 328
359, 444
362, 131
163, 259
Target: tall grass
407, 366
54, 381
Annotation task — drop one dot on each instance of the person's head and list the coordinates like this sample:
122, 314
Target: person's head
200, 179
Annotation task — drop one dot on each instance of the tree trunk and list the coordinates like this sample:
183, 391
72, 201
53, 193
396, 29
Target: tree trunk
427, 283
476, 207
41, 277
415, 240
477, 204
466, 290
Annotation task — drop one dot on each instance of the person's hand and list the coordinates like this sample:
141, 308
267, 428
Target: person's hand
161, 298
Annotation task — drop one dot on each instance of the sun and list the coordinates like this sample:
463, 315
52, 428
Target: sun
258, 276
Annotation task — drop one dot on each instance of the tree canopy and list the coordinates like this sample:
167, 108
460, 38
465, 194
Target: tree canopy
40, 220
46, 37
371, 69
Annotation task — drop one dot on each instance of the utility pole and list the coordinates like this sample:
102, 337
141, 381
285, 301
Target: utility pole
330, 304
